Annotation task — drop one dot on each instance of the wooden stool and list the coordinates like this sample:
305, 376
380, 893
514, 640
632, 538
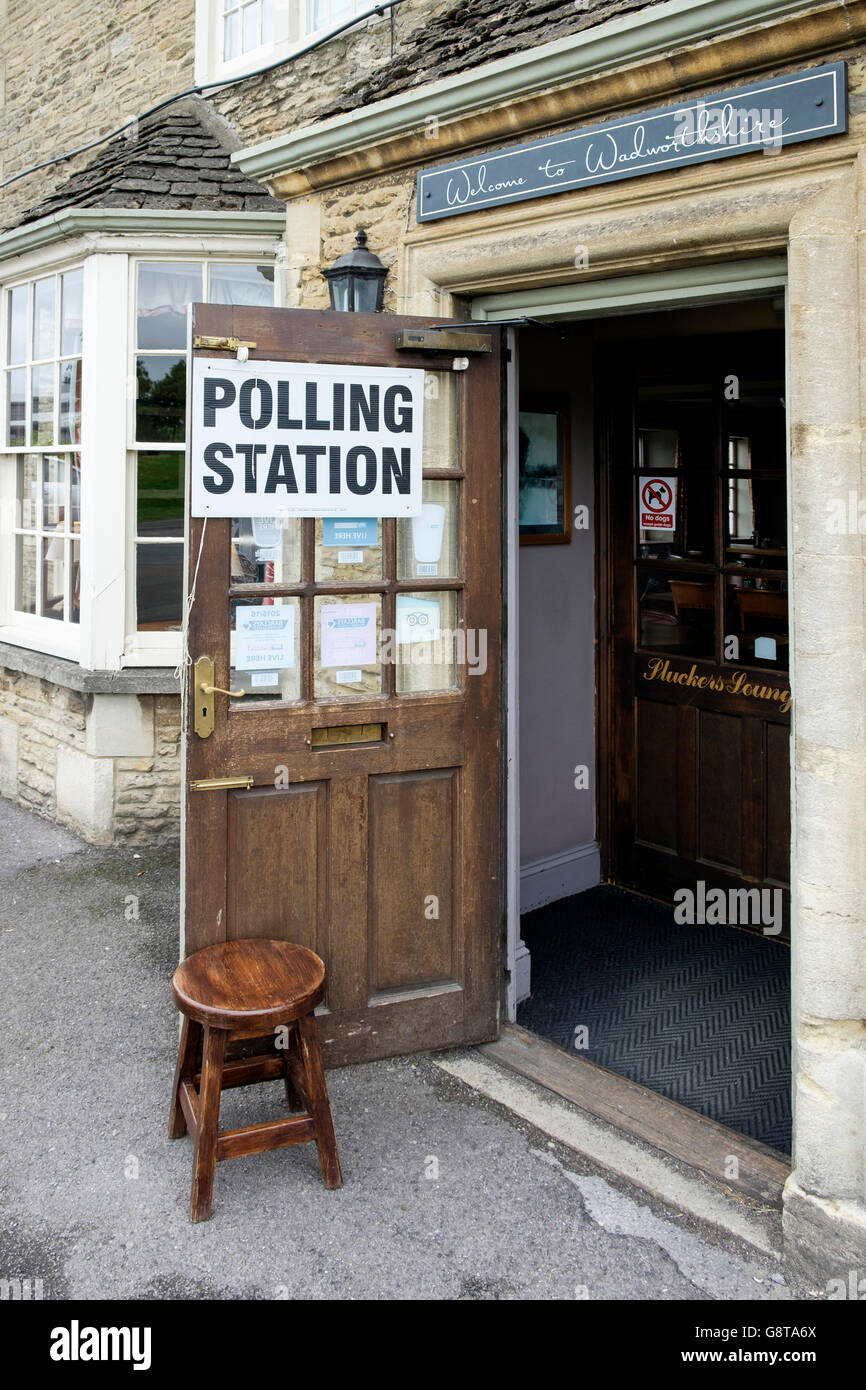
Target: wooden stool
246, 989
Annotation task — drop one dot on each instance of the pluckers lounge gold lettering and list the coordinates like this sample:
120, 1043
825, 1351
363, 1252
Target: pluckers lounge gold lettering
737, 683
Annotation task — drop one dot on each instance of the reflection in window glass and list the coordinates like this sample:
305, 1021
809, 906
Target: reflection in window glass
17, 387
53, 491
347, 636
160, 414
427, 642
676, 612
265, 644
44, 296
164, 291
17, 349
266, 550
53, 577
439, 446
25, 574
233, 283
160, 494
756, 613
159, 586
42, 404
71, 312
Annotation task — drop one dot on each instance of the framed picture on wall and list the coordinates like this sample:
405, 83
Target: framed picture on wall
544, 482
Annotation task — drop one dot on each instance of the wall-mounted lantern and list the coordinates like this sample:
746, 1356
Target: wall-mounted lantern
356, 281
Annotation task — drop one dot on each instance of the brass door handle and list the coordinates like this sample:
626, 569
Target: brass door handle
218, 690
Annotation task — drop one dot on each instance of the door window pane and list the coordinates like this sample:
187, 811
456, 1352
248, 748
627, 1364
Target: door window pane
347, 636
160, 414
266, 550
439, 447
265, 645
44, 296
348, 548
427, 544
428, 643
756, 614
159, 586
676, 612
164, 291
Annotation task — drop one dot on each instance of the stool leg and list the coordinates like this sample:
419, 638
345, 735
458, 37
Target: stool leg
186, 1060
204, 1161
293, 1072
317, 1098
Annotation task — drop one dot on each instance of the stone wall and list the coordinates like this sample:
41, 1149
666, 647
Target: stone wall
108, 766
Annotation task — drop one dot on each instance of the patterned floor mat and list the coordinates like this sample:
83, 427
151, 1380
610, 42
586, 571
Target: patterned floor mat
700, 1014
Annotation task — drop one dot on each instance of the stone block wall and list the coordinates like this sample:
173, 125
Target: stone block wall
107, 766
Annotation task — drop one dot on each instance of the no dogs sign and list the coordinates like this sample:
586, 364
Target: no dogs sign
658, 504
305, 439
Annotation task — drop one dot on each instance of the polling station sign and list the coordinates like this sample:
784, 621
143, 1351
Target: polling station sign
301, 439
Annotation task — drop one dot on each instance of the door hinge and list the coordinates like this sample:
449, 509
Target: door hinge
219, 784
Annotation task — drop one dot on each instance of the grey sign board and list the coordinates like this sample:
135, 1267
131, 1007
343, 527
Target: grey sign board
761, 118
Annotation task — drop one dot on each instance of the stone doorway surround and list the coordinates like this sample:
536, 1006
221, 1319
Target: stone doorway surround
807, 203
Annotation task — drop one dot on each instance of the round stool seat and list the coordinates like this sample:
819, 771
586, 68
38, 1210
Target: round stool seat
249, 984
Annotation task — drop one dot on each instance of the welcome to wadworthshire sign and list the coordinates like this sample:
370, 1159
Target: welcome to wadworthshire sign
764, 116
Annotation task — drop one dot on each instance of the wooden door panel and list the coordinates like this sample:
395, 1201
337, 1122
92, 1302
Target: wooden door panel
720, 764
414, 853
656, 734
277, 853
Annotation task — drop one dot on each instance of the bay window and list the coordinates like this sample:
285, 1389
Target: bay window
93, 381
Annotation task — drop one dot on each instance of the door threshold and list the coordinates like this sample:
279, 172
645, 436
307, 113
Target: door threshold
683, 1158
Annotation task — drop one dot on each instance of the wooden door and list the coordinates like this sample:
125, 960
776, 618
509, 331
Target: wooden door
371, 827
696, 694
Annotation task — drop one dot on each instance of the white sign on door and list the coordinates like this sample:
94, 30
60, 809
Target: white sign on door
298, 439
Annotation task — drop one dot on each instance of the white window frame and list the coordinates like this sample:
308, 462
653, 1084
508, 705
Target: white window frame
104, 639
291, 33
55, 637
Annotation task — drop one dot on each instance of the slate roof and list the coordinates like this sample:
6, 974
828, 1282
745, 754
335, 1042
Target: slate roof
172, 161
472, 32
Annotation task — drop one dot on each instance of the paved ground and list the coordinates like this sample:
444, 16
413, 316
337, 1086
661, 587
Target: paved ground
446, 1195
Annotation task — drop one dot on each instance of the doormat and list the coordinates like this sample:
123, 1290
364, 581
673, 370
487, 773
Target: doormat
699, 1014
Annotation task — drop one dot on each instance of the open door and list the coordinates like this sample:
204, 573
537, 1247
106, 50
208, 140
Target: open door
350, 798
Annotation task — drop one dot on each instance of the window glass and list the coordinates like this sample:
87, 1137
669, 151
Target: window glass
165, 289
265, 646
349, 548
18, 299
17, 388
160, 494
159, 586
347, 636
72, 312
70, 401
427, 544
426, 645
241, 284
160, 415
266, 550
42, 404
44, 299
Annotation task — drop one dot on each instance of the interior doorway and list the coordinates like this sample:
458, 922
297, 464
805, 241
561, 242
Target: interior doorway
655, 702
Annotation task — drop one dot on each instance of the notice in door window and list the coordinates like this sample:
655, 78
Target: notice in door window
273, 439
264, 638
348, 634
658, 504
